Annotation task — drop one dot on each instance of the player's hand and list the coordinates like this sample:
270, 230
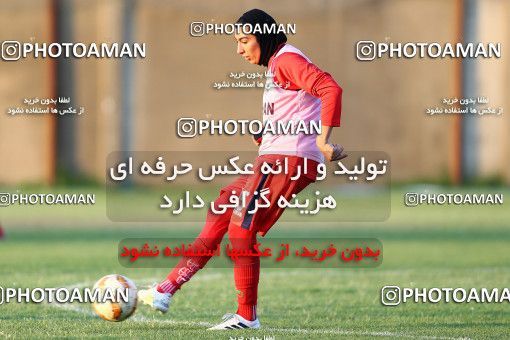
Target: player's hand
332, 152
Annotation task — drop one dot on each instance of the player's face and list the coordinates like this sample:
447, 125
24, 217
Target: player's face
248, 47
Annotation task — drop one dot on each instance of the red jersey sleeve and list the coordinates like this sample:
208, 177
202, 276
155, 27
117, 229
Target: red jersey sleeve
295, 71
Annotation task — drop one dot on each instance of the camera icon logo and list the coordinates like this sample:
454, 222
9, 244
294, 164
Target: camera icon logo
411, 199
187, 127
197, 29
390, 295
5, 199
11, 50
365, 50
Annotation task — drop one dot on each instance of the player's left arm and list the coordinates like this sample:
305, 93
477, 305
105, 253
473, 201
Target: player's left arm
294, 72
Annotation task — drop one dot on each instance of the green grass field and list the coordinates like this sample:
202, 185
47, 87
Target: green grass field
426, 246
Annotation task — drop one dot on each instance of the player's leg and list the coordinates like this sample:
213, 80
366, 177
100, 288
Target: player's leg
242, 232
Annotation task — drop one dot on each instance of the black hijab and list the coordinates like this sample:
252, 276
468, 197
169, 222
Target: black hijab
269, 43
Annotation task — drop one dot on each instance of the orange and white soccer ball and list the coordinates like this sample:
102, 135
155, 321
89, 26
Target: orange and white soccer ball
124, 297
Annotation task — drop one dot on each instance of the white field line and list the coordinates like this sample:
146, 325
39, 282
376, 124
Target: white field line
206, 276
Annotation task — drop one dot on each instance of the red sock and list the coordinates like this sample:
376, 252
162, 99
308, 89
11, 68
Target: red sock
246, 278
167, 286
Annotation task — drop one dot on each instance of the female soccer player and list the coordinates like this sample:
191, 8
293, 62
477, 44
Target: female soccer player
299, 91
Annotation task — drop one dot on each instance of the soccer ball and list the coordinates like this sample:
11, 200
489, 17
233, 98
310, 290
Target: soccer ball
115, 309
